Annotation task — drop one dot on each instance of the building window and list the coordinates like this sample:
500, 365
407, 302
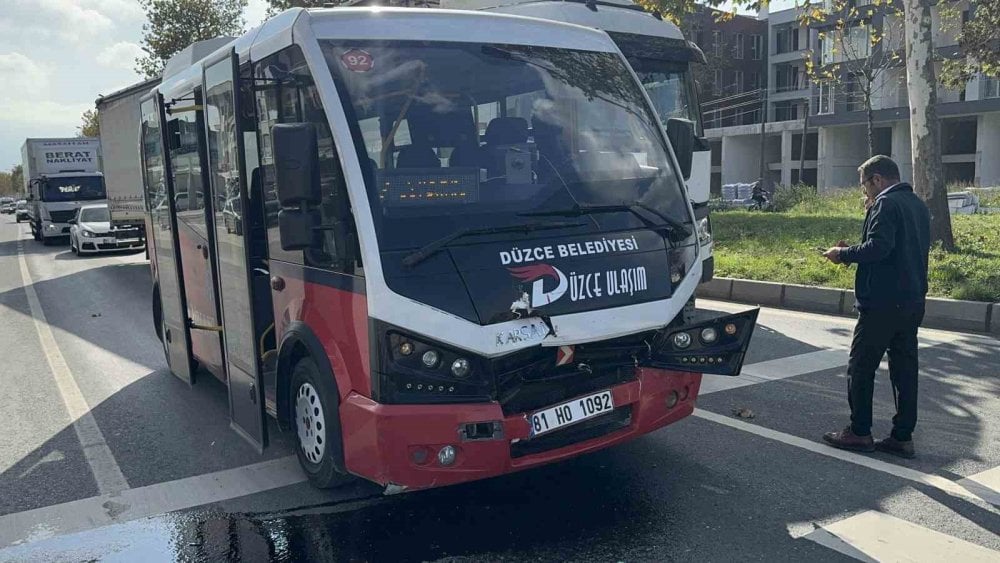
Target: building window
991, 87
717, 43
786, 78
787, 40
717, 82
738, 46
753, 80
854, 96
756, 46
738, 80
786, 111
825, 98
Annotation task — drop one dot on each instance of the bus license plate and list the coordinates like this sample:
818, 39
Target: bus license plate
571, 412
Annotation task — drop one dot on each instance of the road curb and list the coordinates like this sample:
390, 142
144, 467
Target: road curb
949, 314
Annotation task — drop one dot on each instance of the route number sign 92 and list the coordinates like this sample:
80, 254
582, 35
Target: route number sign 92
356, 60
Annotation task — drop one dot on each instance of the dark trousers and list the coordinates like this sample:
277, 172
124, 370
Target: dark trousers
877, 331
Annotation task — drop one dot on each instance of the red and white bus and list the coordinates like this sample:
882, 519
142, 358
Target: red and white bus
438, 246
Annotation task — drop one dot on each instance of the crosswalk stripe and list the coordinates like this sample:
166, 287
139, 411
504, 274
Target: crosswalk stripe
986, 485
140, 502
953, 488
792, 366
875, 536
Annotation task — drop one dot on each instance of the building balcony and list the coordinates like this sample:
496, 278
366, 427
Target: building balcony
792, 92
786, 57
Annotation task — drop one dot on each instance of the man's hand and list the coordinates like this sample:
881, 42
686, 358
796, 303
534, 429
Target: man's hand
833, 255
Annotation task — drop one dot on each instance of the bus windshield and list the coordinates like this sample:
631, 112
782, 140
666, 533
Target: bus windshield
670, 87
78, 188
455, 136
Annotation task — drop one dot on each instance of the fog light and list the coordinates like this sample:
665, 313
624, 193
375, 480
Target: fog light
406, 348
51, 227
731, 329
709, 335
672, 399
682, 340
460, 367
419, 456
685, 391
447, 455
431, 358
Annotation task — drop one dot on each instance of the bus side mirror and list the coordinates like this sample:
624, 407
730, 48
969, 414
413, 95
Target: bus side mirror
296, 228
680, 132
296, 164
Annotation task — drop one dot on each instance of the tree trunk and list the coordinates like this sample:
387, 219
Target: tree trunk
870, 116
925, 130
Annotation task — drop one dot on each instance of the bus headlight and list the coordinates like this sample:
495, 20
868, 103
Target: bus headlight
416, 370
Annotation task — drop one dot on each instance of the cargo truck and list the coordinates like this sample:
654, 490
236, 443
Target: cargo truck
118, 116
60, 175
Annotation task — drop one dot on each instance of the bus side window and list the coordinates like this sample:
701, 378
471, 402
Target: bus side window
286, 93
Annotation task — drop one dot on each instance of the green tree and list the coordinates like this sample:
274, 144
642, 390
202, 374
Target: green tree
174, 24
278, 6
17, 178
861, 48
91, 127
979, 44
6, 185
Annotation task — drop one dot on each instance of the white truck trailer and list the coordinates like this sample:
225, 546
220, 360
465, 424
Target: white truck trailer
118, 115
60, 175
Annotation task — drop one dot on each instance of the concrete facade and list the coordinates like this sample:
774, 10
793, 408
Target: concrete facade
837, 139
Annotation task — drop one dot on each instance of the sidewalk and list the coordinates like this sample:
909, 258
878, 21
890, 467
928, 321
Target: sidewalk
950, 314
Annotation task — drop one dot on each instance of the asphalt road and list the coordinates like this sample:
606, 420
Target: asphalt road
104, 455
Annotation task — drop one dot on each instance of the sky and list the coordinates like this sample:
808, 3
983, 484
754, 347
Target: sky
58, 56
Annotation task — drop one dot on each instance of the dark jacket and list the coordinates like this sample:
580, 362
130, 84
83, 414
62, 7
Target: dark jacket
892, 257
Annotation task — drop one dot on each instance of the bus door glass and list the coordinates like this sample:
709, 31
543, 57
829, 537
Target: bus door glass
190, 196
173, 329
229, 195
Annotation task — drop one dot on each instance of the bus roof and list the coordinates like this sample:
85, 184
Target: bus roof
375, 23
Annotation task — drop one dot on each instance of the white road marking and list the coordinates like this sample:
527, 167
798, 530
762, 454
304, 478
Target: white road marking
875, 536
142, 502
103, 465
985, 484
801, 364
950, 487
772, 370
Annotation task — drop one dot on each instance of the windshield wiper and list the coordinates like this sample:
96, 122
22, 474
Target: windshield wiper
677, 230
434, 247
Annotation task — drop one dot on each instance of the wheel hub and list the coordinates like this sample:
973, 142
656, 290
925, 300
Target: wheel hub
310, 422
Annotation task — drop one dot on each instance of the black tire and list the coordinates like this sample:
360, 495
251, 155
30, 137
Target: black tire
323, 470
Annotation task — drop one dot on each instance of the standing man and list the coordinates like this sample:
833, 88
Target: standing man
890, 286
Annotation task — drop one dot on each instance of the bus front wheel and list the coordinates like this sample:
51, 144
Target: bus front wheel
316, 415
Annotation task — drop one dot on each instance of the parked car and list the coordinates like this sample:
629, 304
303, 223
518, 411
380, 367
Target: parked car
90, 230
7, 208
21, 211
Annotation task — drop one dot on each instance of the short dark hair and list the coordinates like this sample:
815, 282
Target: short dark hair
881, 165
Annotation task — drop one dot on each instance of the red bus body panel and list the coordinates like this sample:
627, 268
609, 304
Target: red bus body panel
379, 439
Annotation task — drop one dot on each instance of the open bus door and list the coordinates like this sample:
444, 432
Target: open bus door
173, 329
233, 225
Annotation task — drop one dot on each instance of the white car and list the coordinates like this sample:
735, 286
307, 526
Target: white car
90, 230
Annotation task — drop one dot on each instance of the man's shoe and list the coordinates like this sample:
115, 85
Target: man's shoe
896, 447
846, 439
